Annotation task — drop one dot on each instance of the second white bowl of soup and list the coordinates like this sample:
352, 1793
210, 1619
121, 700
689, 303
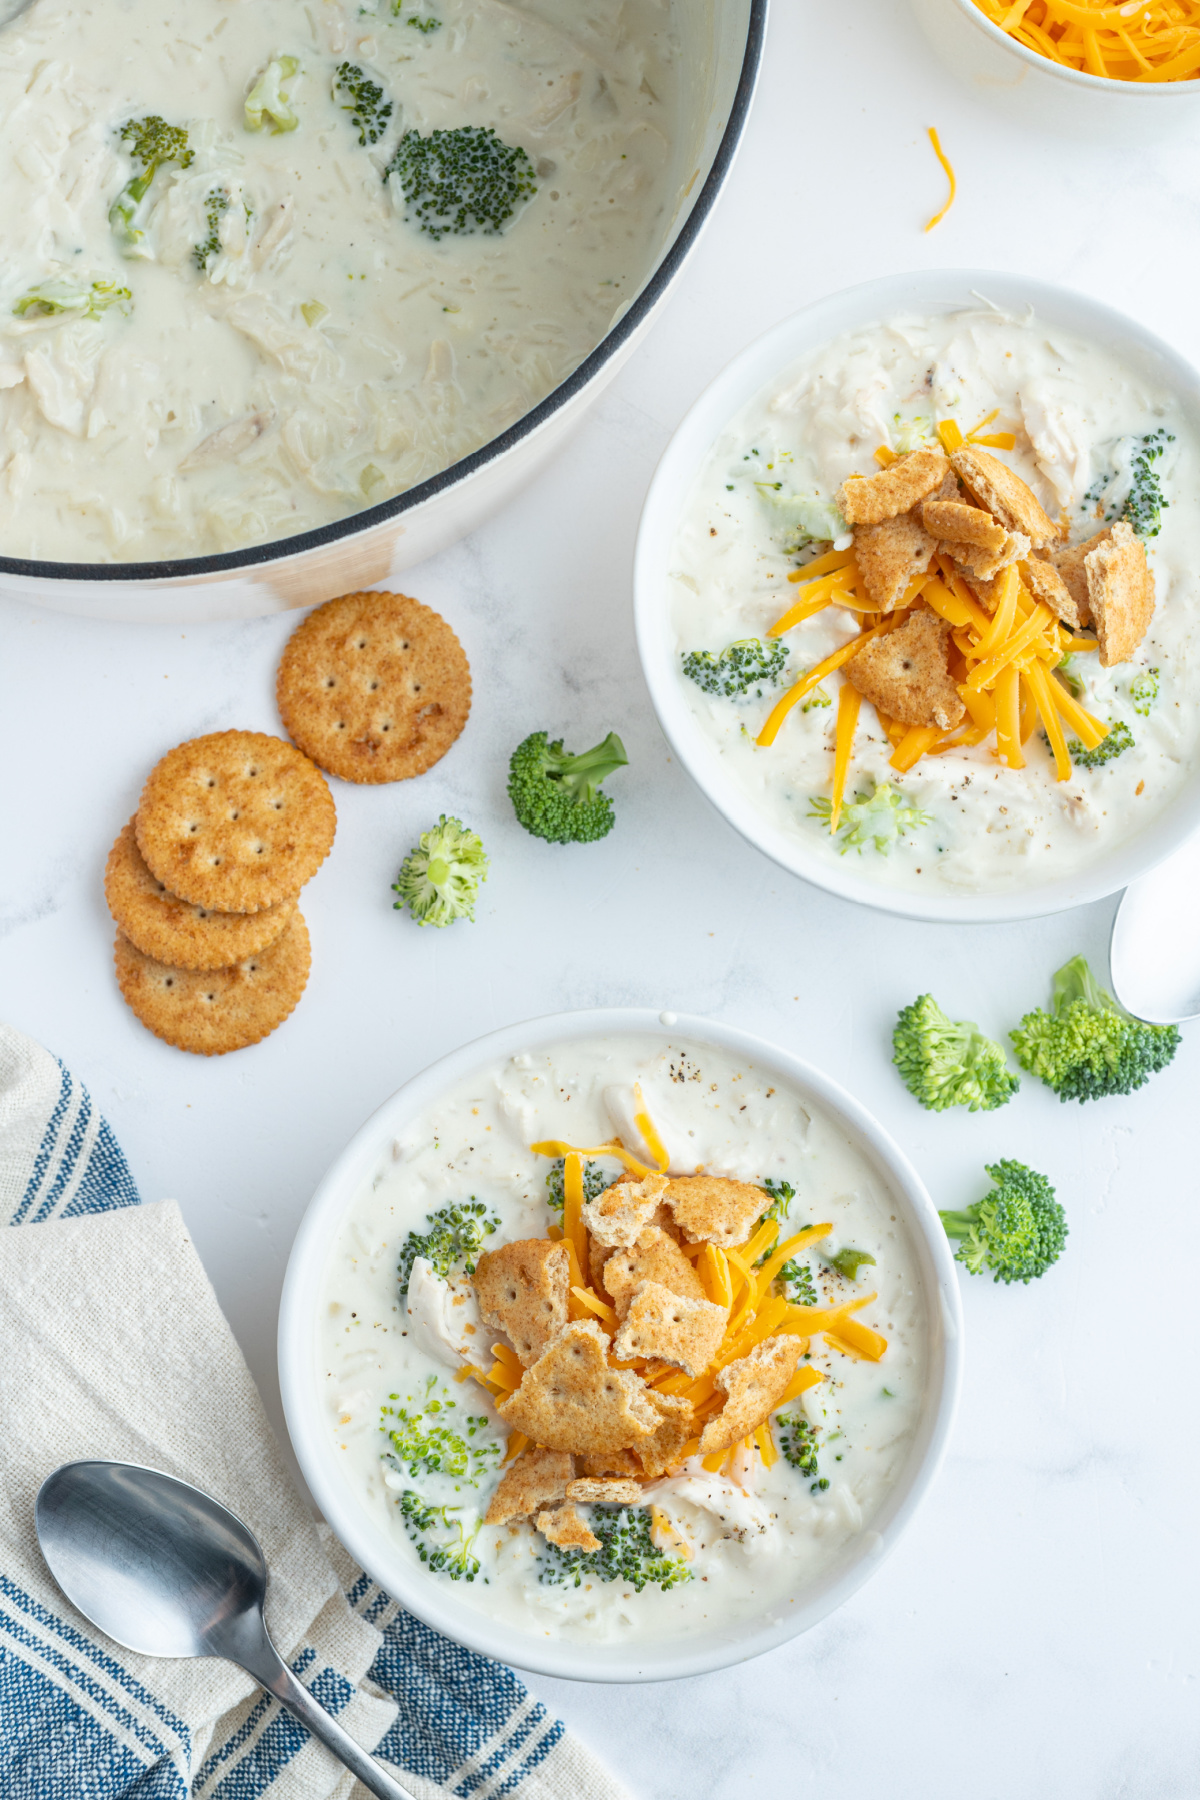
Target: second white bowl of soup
1094, 426
616, 1563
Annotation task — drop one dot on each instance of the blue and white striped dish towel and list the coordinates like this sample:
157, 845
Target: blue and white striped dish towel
114, 1346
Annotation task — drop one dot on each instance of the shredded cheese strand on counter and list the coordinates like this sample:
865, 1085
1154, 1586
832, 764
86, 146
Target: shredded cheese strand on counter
945, 162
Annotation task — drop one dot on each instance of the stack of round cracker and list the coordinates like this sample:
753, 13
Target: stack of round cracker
212, 952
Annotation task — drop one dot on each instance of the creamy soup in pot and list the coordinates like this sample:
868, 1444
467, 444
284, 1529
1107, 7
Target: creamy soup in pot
710, 1540
311, 301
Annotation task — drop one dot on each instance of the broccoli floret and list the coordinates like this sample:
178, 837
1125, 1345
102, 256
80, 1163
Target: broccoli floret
268, 103
152, 144
947, 1063
594, 1182
455, 1235
1017, 1230
815, 699
918, 433
782, 1194
1119, 738
1143, 692
848, 1262
364, 100
557, 796
87, 300
422, 22
430, 1434
800, 519
1133, 489
879, 818
795, 1281
627, 1553
741, 666
1068, 673
1087, 1047
439, 880
421, 1521
1145, 505
215, 207
460, 181
798, 1444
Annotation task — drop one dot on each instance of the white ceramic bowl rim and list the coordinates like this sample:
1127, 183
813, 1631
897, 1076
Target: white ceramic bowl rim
752, 371
1155, 91
435, 1602
254, 555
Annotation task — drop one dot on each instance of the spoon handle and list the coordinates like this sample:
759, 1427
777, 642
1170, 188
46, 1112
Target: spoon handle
271, 1670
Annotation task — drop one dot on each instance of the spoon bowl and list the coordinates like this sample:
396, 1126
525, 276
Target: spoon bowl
1155, 951
159, 1566
166, 1570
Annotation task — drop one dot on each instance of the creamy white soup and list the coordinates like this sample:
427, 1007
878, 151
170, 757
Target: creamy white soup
1096, 438
701, 1546
296, 318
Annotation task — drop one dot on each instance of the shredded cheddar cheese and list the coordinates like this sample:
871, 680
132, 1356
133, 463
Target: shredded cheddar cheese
555, 1147
849, 702
1152, 41
731, 1277
645, 1125
944, 160
1001, 661
805, 685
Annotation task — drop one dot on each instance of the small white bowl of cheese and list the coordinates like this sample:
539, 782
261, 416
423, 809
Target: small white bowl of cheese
1035, 90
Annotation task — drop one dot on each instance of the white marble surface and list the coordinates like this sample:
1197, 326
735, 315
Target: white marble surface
1036, 1633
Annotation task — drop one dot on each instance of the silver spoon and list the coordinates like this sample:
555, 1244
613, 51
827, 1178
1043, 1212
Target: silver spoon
168, 1571
1155, 950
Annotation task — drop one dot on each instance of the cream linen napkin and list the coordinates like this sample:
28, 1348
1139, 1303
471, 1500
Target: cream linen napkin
114, 1346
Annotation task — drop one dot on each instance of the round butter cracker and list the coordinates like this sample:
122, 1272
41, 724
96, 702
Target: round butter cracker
213, 1011
236, 821
171, 930
374, 687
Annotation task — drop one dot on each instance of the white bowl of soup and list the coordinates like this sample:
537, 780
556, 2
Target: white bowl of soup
712, 1560
289, 307
1077, 402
